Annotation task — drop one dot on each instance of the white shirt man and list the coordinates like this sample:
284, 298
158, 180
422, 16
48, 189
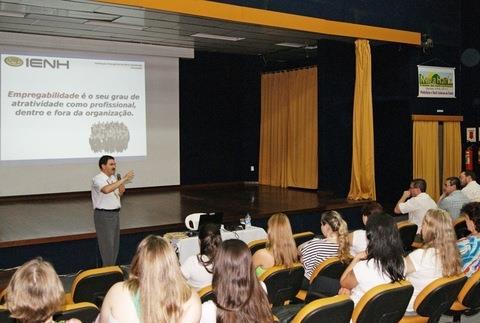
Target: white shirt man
415, 202
470, 187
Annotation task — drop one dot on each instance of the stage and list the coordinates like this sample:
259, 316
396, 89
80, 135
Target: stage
34, 225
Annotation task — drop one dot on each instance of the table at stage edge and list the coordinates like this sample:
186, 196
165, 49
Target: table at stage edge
190, 246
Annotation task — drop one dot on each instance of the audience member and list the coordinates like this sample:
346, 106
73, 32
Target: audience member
382, 262
358, 238
439, 255
335, 243
452, 200
280, 249
35, 293
470, 186
198, 269
155, 292
469, 247
418, 203
239, 296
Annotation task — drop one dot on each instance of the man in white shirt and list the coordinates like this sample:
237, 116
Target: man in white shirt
418, 202
106, 193
470, 186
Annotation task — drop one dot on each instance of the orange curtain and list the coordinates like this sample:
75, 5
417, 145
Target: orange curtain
289, 130
362, 182
425, 155
452, 149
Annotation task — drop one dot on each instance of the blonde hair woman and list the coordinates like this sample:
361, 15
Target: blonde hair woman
155, 292
335, 244
439, 256
35, 293
280, 249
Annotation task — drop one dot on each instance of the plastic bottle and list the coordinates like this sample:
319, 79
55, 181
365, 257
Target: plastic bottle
248, 221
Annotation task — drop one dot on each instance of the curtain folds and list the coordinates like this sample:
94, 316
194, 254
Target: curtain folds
452, 149
289, 129
425, 155
362, 182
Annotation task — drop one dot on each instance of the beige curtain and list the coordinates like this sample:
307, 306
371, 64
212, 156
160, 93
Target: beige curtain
362, 182
452, 149
425, 155
289, 130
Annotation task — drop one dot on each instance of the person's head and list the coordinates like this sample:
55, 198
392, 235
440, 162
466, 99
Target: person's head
35, 292
385, 245
417, 186
210, 239
332, 225
467, 176
280, 240
370, 209
155, 268
239, 295
438, 233
107, 165
471, 212
450, 185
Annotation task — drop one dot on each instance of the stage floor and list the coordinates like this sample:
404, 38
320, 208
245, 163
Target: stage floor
67, 217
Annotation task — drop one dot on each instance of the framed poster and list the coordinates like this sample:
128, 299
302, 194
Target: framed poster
471, 135
436, 82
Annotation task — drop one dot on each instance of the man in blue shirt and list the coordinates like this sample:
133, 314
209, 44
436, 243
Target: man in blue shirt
452, 198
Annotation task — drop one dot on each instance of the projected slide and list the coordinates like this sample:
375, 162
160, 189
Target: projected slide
60, 107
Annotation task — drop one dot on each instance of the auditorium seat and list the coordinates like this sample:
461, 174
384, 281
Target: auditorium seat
336, 309
256, 245
92, 285
206, 294
303, 237
331, 267
468, 300
407, 231
384, 303
84, 311
282, 283
435, 299
460, 226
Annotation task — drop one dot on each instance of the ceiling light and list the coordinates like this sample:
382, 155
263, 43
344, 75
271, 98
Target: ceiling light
220, 37
296, 45
12, 14
113, 24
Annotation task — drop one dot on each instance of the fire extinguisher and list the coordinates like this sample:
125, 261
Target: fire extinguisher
469, 158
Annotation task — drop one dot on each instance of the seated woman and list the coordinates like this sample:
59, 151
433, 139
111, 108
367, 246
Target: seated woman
35, 293
280, 249
439, 255
358, 238
382, 263
469, 247
155, 292
239, 296
198, 269
335, 243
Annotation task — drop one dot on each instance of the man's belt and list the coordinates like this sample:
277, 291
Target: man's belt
105, 210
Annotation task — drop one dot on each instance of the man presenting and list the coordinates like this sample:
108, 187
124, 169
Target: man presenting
418, 202
106, 193
452, 199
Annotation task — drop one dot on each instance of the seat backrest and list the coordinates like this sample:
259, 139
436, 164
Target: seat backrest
256, 245
282, 283
438, 296
460, 226
407, 231
84, 311
383, 304
206, 294
5, 315
336, 309
303, 237
469, 295
92, 285
331, 267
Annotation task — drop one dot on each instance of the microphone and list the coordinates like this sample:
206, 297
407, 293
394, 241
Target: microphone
119, 176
